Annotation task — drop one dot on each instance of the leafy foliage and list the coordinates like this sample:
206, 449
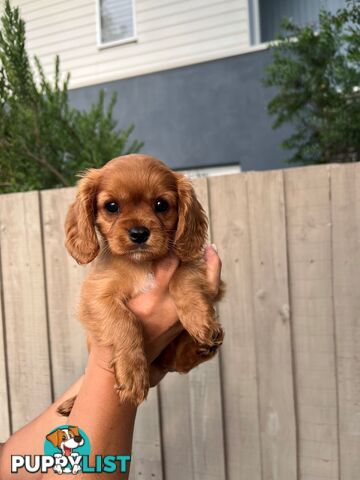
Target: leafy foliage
316, 70
44, 142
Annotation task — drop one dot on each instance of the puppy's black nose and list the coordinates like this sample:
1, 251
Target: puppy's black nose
78, 439
139, 234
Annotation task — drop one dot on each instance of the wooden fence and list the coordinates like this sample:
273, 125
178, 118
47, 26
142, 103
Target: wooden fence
282, 402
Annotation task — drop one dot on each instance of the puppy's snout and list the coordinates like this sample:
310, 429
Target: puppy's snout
78, 438
139, 234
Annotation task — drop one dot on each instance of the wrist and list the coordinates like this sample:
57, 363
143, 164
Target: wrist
98, 389
100, 362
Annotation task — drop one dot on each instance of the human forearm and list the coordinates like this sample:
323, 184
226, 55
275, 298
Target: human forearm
97, 411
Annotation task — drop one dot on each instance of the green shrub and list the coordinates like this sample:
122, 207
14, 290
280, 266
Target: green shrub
44, 141
316, 70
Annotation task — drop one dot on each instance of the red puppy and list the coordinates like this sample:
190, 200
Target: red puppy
126, 215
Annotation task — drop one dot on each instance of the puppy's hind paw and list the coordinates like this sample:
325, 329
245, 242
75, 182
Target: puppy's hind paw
65, 408
206, 351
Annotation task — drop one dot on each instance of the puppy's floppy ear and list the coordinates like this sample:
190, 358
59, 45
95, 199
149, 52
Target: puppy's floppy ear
192, 224
81, 241
54, 438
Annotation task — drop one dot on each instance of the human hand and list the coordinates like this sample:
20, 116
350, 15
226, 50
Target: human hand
157, 312
159, 338
156, 309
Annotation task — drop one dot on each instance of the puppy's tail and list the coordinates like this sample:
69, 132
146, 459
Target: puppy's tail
65, 408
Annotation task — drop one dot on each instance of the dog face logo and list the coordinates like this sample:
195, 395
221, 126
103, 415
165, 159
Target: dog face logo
65, 440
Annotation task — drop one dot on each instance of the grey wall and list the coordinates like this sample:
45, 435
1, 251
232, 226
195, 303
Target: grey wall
202, 115
306, 11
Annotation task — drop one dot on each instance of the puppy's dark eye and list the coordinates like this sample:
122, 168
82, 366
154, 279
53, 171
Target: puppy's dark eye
161, 205
112, 207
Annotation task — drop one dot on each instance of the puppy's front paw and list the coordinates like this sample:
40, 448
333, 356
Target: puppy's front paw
189, 353
216, 336
210, 336
211, 346
133, 384
134, 389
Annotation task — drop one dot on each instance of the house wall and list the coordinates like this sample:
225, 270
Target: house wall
169, 34
201, 115
189, 84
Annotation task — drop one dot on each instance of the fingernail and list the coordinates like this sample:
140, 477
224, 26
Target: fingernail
214, 247
210, 249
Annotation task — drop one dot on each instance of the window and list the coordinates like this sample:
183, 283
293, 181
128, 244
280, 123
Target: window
266, 15
116, 22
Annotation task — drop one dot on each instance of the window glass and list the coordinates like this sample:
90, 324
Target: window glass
116, 20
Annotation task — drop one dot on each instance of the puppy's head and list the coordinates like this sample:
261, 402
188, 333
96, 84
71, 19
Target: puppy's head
140, 209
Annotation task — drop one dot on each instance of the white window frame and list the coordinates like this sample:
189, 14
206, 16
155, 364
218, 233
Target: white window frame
101, 45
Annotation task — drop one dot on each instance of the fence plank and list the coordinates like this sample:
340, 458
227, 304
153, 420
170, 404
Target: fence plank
176, 427
205, 402
24, 306
146, 453
198, 397
272, 323
345, 205
310, 272
63, 278
230, 232
4, 406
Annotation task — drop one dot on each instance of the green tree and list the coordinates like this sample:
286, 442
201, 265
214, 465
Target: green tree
316, 72
44, 141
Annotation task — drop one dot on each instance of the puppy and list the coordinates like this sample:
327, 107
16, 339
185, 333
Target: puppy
128, 214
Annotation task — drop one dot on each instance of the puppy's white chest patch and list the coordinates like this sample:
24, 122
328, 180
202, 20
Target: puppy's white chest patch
147, 284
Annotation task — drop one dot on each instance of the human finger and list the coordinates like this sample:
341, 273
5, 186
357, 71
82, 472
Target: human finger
164, 269
213, 267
